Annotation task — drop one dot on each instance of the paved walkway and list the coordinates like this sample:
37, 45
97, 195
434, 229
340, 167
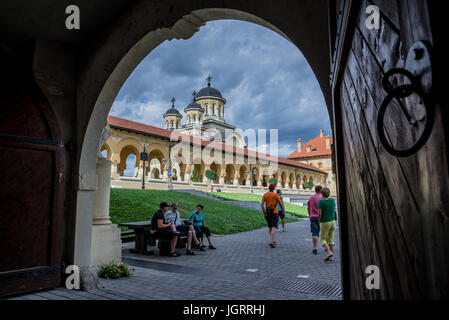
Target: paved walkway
242, 267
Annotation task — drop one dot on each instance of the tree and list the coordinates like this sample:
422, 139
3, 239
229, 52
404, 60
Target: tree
194, 175
273, 181
211, 175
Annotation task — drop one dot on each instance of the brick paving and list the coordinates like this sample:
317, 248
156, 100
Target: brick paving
222, 273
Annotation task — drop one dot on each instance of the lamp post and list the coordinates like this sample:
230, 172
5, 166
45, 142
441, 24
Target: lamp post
143, 157
169, 174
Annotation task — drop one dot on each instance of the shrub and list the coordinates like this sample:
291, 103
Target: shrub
273, 181
309, 185
194, 175
211, 175
115, 271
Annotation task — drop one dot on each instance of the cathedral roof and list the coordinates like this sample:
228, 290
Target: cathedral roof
209, 91
172, 110
193, 104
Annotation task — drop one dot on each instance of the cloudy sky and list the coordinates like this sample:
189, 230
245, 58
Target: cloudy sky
265, 79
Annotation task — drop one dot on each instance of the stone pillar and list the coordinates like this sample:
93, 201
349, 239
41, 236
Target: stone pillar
248, 180
259, 183
188, 173
114, 171
106, 244
221, 180
140, 171
206, 179
287, 185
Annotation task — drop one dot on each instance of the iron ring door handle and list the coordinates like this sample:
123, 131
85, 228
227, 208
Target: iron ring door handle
398, 92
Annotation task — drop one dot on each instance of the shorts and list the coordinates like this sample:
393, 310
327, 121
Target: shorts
183, 228
202, 230
272, 220
164, 234
314, 227
327, 232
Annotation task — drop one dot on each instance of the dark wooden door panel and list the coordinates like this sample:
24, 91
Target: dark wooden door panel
395, 209
32, 159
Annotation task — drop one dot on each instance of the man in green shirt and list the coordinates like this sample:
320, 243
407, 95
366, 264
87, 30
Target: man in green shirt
326, 217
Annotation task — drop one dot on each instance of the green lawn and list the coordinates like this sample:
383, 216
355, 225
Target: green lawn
136, 205
289, 208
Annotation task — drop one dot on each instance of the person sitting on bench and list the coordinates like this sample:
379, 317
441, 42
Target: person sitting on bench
165, 231
197, 219
174, 216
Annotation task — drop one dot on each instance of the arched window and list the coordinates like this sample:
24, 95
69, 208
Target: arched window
213, 109
320, 165
207, 108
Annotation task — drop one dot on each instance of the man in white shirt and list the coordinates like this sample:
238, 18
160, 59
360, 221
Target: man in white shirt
174, 216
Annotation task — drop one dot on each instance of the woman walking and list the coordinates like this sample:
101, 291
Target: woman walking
326, 217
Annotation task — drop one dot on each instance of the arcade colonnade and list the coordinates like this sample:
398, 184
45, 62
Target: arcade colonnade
191, 173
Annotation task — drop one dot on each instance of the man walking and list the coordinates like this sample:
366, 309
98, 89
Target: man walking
312, 208
270, 211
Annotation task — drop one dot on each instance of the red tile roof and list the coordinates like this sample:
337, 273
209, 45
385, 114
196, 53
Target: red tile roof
137, 127
317, 148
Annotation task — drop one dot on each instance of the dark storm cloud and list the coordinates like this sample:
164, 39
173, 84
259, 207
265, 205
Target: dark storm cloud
265, 79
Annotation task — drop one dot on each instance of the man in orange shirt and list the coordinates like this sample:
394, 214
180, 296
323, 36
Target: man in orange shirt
271, 212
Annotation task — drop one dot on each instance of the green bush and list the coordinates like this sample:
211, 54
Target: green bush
211, 175
273, 181
194, 175
309, 185
115, 271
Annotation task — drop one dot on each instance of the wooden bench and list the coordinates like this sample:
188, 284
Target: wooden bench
143, 238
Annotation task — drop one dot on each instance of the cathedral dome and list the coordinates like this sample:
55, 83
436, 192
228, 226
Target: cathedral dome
172, 111
209, 92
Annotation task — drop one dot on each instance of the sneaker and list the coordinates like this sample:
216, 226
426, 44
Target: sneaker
283, 229
212, 247
315, 251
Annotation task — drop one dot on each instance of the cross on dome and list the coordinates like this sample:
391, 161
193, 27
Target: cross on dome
208, 79
173, 102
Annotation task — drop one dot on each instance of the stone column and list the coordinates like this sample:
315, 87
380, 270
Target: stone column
114, 174
106, 243
206, 179
188, 173
248, 180
221, 180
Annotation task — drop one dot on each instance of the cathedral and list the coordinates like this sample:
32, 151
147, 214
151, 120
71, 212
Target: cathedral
204, 117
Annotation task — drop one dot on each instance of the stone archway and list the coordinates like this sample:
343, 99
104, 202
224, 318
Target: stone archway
108, 68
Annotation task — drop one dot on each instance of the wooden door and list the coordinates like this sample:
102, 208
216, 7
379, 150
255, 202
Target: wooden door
394, 208
32, 163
